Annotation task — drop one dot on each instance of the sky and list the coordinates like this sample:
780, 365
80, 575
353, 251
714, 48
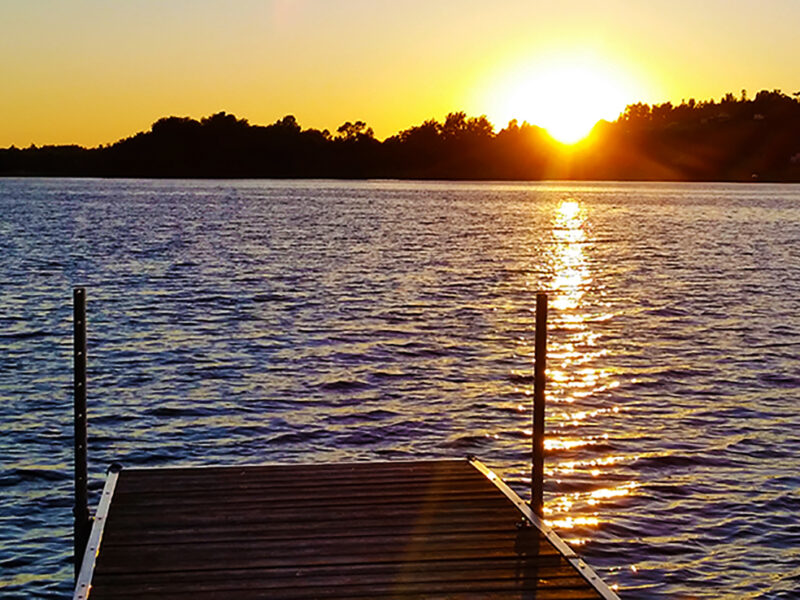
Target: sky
91, 72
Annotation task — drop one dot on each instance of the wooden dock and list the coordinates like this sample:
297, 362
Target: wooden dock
424, 529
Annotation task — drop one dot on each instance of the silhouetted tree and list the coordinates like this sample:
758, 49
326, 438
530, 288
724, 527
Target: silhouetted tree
354, 131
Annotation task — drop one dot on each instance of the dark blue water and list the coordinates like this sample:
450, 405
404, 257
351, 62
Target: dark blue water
260, 321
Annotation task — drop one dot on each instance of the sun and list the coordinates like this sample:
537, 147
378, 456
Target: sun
565, 95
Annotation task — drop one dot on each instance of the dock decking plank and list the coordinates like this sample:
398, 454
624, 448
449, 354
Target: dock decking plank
420, 571
427, 529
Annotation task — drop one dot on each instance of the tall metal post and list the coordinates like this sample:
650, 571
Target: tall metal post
82, 523
539, 380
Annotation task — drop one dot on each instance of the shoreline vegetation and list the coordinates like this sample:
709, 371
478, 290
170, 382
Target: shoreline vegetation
733, 139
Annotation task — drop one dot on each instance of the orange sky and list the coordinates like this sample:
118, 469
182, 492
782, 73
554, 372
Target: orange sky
93, 71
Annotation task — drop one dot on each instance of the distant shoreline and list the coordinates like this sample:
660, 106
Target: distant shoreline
401, 180
733, 140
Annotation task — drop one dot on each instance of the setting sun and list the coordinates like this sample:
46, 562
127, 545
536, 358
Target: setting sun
566, 96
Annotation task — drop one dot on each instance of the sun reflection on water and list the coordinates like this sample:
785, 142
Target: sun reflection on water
584, 469
576, 444
571, 278
572, 522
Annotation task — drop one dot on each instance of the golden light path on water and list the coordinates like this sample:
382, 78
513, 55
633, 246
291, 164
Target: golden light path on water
574, 379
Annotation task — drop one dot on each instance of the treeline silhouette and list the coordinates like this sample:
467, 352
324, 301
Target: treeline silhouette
734, 139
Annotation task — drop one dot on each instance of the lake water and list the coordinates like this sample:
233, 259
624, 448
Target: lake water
265, 321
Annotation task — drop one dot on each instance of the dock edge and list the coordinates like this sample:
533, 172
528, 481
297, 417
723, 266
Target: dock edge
568, 553
84, 582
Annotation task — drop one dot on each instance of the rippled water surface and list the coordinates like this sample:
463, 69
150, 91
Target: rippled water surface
260, 321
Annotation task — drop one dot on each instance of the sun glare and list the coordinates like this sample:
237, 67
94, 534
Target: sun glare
566, 96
